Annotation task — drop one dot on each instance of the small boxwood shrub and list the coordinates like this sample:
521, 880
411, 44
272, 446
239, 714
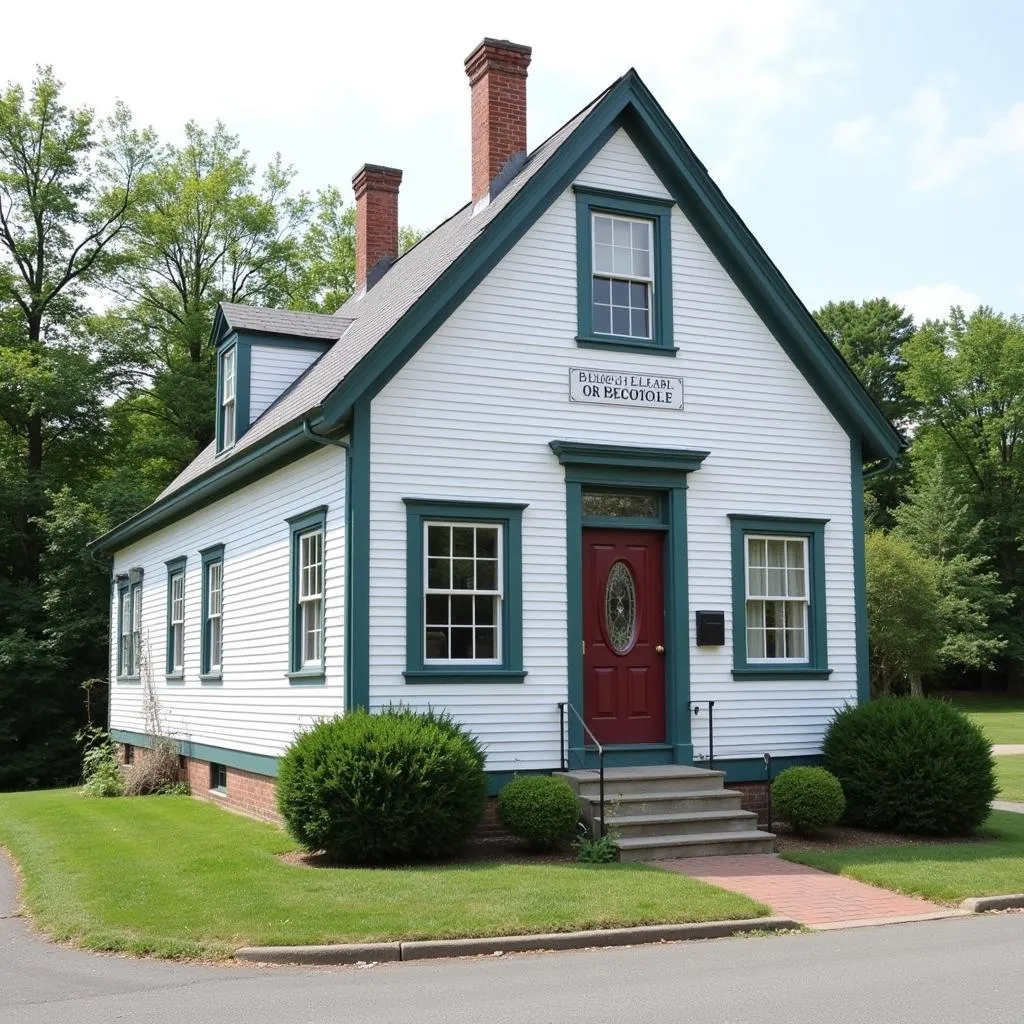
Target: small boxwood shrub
810, 799
396, 786
911, 765
540, 809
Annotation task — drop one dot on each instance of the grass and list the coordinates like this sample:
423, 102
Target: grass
944, 873
1001, 718
1010, 773
173, 877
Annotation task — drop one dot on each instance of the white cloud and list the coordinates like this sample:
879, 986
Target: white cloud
932, 301
856, 135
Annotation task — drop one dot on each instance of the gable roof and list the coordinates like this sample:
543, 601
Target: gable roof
388, 323
260, 320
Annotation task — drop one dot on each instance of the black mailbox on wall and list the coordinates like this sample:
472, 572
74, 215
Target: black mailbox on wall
710, 629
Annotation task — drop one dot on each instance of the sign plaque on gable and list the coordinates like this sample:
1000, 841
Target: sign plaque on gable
623, 387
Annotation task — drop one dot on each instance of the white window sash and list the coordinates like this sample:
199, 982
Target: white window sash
765, 599
214, 614
615, 275
310, 584
177, 620
498, 593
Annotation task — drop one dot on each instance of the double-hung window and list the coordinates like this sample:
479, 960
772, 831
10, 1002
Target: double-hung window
228, 397
624, 271
779, 612
212, 624
308, 576
176, 618
129, 631
464, 591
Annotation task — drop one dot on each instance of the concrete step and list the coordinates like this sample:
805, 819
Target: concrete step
697, 844
654, 779
694, 823
666, 803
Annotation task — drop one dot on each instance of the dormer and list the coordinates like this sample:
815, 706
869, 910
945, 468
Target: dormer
261, 353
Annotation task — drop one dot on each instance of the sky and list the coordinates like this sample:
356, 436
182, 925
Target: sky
874, 147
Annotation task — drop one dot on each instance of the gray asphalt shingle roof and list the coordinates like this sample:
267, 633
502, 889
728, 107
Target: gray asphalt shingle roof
285, 321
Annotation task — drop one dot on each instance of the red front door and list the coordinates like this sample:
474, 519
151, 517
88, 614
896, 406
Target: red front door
624, 635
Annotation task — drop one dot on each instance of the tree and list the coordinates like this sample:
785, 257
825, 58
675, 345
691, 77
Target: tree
870, 336
967, 373
905, 623
937, 522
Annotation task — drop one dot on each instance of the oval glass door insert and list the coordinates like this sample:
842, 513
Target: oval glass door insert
620, 608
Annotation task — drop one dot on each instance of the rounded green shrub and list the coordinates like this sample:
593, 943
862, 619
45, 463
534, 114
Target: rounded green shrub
911, 765
540, 809
385, 788
810, 799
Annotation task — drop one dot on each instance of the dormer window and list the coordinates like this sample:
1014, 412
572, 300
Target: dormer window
624, 259
228, 387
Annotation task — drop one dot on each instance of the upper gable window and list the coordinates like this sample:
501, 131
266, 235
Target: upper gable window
624, 262
228, 397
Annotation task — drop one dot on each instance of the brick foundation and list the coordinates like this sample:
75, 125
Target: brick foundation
754, 798
245, 792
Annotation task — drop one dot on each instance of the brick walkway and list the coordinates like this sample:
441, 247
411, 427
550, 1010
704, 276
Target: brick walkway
813, 897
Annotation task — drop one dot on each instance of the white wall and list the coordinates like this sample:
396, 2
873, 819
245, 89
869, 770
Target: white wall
254, 708
470, 417
273, 369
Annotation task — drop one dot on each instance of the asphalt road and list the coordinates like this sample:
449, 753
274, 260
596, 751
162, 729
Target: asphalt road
958, 971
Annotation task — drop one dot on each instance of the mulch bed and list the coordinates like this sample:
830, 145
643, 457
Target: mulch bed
844, 837
482, 850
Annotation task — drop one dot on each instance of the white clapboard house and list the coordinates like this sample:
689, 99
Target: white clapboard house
573, 466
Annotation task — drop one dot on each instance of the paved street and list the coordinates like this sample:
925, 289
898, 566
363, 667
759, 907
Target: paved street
960, 971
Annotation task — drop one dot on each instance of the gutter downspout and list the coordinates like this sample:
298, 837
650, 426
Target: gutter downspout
886, 465
337, 442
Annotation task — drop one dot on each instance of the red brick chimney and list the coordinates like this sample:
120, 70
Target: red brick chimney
497, 77
376, 191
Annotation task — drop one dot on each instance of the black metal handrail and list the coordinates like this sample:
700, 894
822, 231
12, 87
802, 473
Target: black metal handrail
565, 750
695, 704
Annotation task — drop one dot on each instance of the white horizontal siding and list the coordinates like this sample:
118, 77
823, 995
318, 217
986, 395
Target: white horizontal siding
254, 708
470, 417
273, 369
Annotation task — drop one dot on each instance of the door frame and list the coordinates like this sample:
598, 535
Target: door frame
633, 468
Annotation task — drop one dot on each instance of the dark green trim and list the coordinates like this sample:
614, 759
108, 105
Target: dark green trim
860, 594
752, 769
497, 781
581, 455
629, 756
175, 567
258, 764
637, 469
243, 387
630, 105
659, 212
357, 692
214, 553
510, 517
813, 530
211, 678
314, 519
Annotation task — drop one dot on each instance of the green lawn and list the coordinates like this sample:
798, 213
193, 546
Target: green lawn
171, 876
944, 873
1001, 718
1010, 772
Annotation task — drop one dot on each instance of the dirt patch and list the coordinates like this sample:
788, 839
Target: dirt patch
484, 850
844, 837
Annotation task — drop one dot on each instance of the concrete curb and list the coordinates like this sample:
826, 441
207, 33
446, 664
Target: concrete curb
979, 904
389, 952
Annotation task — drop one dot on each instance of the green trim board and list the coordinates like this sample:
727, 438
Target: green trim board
258, 764
813, 531
175, 570
509, 516
210, 556
860, 593
753, 769
641, 469
357, 689
314, 519
658, 212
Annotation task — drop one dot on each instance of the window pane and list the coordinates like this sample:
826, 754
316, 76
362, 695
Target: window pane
795, 583
795, 554
462, 541
462, 610
215, 643
756, 551
602, 319
774, 614
620, 321
623, 235
621, 504
641, 235
485, 611
638, 323
485, 643
437, 609
602, 290
638, 295
461, 643
776, 553
437, 644
178, 647
439, 540
756, 582
773, 643
487, 574
603, 230
487, 542
604, 263
438, 573
641, 263
620, 293
795, 643
622, 262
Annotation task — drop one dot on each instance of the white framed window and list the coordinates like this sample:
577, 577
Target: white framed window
227, 398
176, 623
125, 654
777, 598
214, 614
463, 592
623, 276
310, 596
